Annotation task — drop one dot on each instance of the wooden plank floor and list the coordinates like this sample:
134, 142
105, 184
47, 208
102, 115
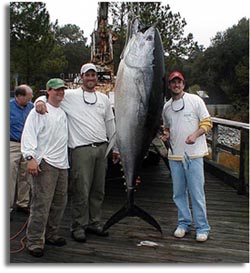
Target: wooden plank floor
228, 215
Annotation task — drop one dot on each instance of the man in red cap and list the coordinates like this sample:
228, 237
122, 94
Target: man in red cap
186, 120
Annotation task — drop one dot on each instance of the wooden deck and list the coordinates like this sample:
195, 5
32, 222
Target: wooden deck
228, 215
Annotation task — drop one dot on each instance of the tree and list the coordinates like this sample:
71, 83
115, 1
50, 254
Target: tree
170, 25
232, 47
75, 50
32, 43
223, 68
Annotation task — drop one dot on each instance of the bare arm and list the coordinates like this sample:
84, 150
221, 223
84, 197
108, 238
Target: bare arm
204, 127
191, 139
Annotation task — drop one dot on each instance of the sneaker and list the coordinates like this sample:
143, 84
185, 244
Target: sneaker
201, 237
180, 232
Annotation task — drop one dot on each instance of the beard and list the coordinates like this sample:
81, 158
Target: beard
89, 84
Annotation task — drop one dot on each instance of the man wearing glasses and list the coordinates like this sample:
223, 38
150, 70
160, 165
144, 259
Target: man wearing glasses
91, 125
186, 120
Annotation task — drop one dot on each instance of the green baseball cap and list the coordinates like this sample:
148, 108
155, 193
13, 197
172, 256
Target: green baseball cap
56, 84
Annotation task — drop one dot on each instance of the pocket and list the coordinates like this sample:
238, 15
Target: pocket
189, 116
100, 109
43, 166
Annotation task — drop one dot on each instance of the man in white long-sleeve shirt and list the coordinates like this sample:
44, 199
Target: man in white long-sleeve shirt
91, 126
186, 120
44, 145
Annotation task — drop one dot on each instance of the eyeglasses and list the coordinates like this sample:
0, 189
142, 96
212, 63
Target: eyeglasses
178, 105
87, 102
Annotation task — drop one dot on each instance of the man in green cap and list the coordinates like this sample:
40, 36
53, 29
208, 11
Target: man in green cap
56, 84
91, 126
44, 146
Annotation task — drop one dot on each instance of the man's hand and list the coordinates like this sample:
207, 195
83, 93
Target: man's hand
115, 157
41, 107
191, 139
165, 134
33, 167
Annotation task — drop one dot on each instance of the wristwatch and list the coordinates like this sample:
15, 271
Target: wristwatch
29, 157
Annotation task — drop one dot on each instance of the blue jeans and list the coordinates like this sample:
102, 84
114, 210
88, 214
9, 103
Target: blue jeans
189, 177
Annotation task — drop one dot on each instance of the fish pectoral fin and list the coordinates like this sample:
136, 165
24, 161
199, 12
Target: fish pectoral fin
141, 88
112, 142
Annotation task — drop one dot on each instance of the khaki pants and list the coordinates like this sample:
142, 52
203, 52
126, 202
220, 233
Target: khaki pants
20, 179
48, 202
87, 184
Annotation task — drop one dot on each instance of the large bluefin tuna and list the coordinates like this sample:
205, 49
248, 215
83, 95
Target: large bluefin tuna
139, 95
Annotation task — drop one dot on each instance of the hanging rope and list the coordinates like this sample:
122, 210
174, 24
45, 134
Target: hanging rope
22, 239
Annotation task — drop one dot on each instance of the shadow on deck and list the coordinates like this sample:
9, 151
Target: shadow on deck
228, 215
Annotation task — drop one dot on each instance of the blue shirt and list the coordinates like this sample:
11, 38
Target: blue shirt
18, 116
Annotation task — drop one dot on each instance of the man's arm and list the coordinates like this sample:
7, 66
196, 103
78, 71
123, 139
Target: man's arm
110, 129
205, 126
29, 144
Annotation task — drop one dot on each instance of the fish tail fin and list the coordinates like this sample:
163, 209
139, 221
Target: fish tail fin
115, 218
146, 217
131, 211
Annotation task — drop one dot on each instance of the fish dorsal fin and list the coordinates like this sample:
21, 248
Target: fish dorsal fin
133, 27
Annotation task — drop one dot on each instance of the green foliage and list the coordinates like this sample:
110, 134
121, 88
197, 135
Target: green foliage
31, 40
40, 49
233, 47
194, 88
69, 34
170, 25
71, 39
230, 60
223, 68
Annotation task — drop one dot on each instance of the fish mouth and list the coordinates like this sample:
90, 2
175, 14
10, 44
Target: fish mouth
139, 26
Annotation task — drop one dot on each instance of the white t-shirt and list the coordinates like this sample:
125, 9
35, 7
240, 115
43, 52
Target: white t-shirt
87, 122
46, 137
183, 123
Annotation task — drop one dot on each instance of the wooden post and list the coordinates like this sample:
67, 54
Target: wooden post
214, 142
244, 162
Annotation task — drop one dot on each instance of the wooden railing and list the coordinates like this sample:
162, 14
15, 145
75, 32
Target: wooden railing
240, 179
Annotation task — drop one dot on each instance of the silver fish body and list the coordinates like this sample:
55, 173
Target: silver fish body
139, 94
139, 97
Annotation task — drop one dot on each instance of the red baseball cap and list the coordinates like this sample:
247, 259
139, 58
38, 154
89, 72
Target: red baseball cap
175, 74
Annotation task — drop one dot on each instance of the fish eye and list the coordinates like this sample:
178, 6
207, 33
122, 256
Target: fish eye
149, 38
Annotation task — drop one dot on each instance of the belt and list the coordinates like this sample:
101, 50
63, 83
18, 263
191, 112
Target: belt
94, 144
11, 139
